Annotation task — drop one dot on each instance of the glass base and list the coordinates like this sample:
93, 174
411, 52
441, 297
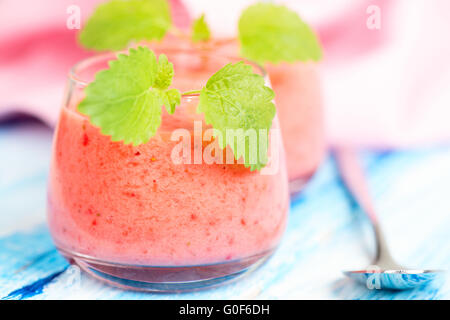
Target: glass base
166, 278
297, 185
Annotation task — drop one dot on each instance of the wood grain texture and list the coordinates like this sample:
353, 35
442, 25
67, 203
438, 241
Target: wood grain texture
326, 234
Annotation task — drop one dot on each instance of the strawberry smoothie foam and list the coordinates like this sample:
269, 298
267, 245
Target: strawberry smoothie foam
134, 205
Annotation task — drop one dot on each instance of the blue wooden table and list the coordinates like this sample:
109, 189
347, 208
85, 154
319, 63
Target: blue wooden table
325, 233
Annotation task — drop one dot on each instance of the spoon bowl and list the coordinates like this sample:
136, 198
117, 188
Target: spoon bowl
399, 279
385, 272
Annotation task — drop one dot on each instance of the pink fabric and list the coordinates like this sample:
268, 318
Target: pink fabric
382, 88
37, 50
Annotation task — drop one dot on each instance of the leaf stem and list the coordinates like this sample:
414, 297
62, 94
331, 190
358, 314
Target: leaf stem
188, 93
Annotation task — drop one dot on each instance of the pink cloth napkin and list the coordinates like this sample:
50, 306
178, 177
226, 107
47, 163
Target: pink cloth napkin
37, 50
382, 88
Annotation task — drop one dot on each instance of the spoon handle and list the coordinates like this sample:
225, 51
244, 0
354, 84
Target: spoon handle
353, 176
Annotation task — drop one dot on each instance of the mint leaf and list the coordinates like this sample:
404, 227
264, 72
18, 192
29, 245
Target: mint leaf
236, 98
125, 100
274, 33
171, 99
200, 30
164, 73
116, 23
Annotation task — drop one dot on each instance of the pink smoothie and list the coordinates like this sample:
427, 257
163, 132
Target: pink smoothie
133, 205
299, 105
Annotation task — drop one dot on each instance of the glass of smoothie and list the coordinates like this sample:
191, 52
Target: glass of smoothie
299, 106
298, 100
135, 218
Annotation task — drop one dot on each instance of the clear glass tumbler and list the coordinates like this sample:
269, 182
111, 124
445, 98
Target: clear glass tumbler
135, 217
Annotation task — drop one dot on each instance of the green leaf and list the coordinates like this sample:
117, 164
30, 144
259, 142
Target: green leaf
200, 30
125, 100
236, 98
116, 23
164, 73
274, 33
172, 98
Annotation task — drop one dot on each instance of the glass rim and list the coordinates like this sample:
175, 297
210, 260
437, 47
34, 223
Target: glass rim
74, 77
75, 80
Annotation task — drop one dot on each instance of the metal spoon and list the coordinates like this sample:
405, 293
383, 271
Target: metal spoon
384, 273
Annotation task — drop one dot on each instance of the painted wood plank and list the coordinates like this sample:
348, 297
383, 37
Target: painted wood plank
326, 234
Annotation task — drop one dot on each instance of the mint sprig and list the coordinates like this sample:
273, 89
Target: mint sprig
125, 100
274, 33
200, 30
116, 23
267, 32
